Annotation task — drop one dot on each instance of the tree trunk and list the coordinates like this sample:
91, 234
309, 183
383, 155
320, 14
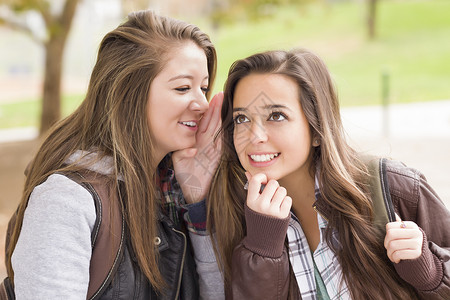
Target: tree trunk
51, 101
371, 16
58, 29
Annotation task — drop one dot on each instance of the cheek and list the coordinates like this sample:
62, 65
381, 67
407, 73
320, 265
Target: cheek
240, 141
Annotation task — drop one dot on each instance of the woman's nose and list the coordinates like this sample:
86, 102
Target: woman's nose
199, 103
258, 133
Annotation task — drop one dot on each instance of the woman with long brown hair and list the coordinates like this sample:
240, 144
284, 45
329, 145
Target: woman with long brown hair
291, 205
144, 120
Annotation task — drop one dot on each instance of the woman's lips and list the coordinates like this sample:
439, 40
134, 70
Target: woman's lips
263, 159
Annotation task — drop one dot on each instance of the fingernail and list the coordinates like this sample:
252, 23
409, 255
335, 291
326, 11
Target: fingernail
246, 186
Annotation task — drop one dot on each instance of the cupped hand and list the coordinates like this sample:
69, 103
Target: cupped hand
403, 240
194, 167
272, 201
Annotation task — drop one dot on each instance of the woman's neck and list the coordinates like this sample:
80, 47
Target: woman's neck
302, 191
300, 187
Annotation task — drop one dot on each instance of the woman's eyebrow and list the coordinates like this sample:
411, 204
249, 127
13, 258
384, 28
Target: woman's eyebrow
266, 107
272, 106
239, 109
181, 77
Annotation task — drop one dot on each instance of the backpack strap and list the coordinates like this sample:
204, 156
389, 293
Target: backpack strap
386, 193
379, 190
107, 237
108, 234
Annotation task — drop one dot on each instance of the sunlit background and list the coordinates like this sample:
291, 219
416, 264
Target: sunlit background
390, 60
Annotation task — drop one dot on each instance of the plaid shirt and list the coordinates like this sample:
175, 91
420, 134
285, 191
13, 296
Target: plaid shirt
326, 261
173, 203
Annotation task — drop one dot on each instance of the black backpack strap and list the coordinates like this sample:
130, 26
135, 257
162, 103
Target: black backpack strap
379, 190
386, 193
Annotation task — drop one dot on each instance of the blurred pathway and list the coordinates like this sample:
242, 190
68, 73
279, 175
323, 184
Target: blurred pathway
417, 134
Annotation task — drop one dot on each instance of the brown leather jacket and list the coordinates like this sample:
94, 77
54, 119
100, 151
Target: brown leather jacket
261, 270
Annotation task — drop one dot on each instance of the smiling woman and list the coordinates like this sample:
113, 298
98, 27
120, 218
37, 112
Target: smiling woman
311, 233
276, 132
177, 99
145, 118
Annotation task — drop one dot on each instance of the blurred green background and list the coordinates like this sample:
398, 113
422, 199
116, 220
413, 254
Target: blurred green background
411, 45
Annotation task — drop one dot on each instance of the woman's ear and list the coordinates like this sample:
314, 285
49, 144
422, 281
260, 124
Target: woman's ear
316, 141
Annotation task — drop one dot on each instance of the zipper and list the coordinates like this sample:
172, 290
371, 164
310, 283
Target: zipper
182, 262
315, 208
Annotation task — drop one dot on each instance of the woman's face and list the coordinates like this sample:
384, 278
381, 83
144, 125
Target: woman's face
177, 99
271, 133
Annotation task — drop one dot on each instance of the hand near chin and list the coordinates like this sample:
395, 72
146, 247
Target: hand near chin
272, 201
194, 167
403, 240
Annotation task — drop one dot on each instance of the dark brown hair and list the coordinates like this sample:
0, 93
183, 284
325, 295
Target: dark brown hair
343, 179
112, 121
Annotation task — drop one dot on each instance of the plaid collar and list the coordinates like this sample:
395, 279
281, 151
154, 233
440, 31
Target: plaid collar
170, 192
326, 261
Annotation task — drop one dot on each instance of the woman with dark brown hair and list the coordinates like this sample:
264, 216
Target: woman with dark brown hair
145, 119
291, 205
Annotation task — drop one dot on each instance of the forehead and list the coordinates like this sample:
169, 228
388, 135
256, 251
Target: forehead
187, 57
261, 90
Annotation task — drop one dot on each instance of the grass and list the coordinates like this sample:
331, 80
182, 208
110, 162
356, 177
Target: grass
26, 113
412, 46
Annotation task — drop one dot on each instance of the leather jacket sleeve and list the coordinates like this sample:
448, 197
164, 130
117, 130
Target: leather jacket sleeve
415, 200
260, 263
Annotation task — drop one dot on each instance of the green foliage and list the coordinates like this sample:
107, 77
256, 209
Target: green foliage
24, 5
26, 113
249, 10
412, 45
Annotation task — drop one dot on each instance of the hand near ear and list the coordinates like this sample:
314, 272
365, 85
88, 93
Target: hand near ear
403, 240
194, 167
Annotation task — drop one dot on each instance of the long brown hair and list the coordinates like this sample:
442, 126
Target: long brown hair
343, 179
112, 121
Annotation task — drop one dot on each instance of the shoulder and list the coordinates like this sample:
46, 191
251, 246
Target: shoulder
404, 182
412, 196
62, 196
55, 241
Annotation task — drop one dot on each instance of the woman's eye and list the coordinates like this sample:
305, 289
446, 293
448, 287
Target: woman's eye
182, 89
277, 116
205, 90
239, 119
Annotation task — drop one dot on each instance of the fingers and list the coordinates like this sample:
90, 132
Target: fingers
254, 186
404, 249
211, 118
285, 208
216, 118
273, 201
403, 240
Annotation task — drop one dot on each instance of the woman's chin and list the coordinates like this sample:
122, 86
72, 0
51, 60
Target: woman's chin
186, 145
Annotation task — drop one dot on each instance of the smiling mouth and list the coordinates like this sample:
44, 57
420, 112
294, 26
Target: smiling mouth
263, 157
189, 123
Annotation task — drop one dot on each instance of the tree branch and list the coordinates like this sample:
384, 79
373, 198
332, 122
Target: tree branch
43, 7
67, 14
16, 25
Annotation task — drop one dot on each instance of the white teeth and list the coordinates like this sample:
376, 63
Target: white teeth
263, 157
190, 124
